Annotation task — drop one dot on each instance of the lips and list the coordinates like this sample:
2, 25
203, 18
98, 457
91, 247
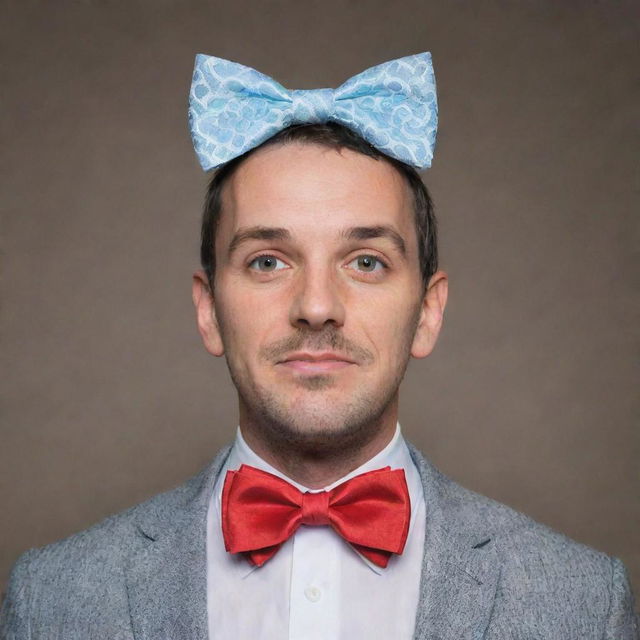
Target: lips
325, 362
317, 357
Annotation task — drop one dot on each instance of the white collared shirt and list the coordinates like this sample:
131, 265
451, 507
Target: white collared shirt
316, 587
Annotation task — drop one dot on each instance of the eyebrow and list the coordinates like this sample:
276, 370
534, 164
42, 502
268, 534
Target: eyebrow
352, 233
379, 231
257, 233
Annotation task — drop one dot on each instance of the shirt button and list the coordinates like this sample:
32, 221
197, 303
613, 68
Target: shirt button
312, 594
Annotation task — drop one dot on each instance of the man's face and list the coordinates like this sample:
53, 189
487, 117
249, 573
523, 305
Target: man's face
318, 300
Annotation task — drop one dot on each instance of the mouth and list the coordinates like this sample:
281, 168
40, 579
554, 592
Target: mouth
316, 363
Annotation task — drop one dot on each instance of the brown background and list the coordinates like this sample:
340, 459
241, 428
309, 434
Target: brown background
531, 395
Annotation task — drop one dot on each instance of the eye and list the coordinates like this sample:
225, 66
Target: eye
266, 263
368, 263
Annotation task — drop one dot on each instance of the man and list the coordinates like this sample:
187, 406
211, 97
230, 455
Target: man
319, 282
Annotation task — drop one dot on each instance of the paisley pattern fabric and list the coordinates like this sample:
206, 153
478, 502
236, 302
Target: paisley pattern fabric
233, 108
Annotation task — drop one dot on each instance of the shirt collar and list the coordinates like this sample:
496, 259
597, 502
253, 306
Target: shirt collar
395, 455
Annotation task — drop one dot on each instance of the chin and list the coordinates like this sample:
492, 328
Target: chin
317, 383
318, 424
323, 437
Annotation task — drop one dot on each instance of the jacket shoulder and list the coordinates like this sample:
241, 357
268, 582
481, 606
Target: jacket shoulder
100, 544
62, 581
544, 574
520, 540
110, 538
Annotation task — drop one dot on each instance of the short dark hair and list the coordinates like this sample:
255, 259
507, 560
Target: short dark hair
333, 136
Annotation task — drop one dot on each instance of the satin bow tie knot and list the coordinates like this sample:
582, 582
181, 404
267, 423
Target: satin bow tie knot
315, 508
311, 105
260, 511
234, 108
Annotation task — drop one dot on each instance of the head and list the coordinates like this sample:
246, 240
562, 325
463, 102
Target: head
319, 282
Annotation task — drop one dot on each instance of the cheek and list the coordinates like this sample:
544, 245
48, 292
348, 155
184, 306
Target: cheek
388, 322
389, 330
247, 320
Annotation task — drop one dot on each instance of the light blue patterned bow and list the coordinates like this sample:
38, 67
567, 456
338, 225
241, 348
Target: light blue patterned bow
233, 108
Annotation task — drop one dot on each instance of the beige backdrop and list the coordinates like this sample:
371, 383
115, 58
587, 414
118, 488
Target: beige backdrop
531, 395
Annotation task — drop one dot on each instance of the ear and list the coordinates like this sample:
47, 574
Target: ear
206, 314
431, 314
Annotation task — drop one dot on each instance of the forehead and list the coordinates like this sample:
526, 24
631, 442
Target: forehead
309, 188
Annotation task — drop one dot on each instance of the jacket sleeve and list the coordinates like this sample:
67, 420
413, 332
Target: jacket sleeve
14, 618
622, 622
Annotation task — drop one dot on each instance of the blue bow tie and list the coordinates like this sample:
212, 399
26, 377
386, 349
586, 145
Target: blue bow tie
233, 108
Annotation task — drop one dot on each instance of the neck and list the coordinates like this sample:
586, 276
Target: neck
315, 462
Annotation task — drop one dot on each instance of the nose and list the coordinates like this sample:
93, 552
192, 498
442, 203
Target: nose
316, 300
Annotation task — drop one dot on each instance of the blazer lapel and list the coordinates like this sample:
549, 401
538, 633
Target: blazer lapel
460, 567
166, 571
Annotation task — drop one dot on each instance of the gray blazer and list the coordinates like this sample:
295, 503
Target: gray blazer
487, 573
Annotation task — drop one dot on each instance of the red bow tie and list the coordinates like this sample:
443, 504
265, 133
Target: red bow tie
261, 511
